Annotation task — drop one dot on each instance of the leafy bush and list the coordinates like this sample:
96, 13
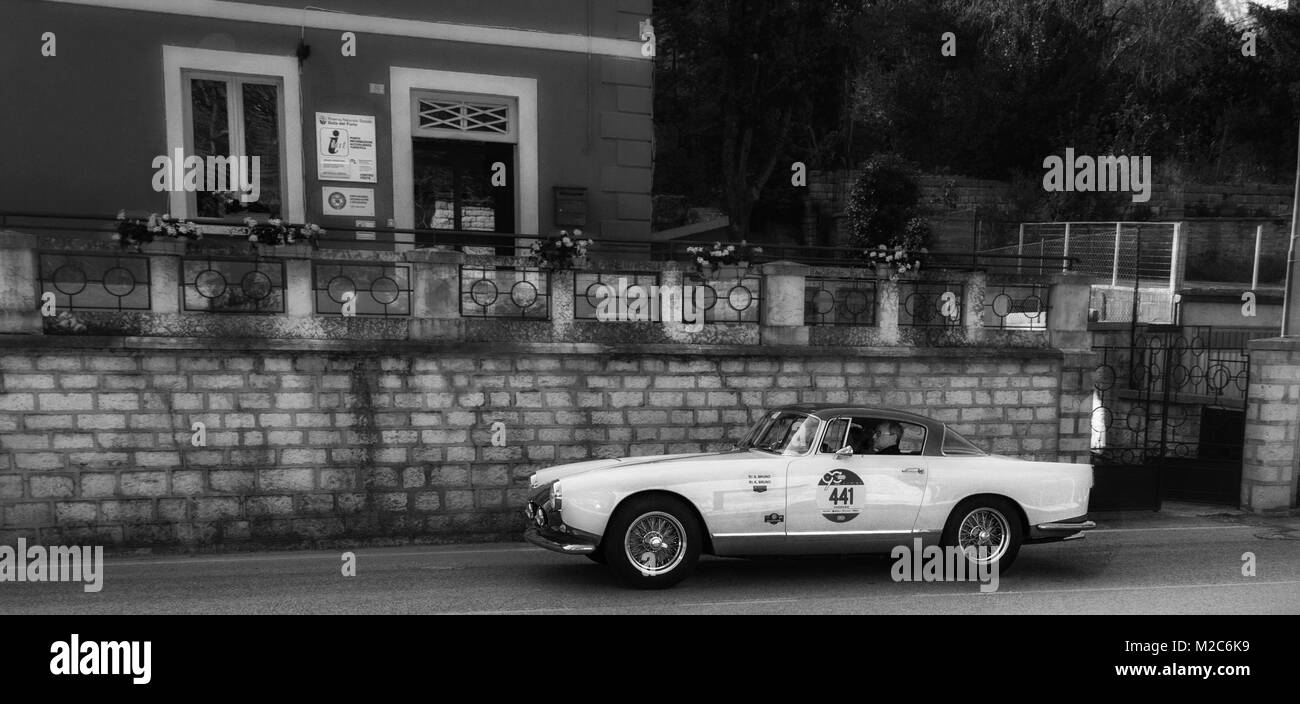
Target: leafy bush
883, 201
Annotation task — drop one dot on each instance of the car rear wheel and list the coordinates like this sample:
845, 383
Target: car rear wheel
653, 542
987, 530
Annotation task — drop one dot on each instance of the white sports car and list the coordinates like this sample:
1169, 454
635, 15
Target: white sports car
807, 480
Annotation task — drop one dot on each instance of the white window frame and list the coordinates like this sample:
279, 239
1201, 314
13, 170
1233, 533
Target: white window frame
405, 82
180, 63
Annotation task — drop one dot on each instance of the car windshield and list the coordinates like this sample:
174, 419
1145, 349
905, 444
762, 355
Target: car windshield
781, 432
954, 444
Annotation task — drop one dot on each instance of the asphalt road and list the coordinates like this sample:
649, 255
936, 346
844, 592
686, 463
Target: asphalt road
1162, 565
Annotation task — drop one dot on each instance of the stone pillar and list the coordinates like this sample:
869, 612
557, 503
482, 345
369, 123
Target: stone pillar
20, 286
783, 305
1067, 329
562, 311
299, 299
976, 285
887, 307
1271, 453
1067, 322
435, 304
165, 276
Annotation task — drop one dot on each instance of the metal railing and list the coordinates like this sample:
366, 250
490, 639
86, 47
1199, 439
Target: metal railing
85, 281
382, 290
516, 244
839, 301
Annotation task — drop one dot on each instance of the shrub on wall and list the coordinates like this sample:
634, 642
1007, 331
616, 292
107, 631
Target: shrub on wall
883, 205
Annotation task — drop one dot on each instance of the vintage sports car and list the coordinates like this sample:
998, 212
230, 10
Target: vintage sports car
807, 480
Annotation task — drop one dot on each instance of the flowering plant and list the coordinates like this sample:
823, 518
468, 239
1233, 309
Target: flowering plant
709, 259
560, 252
902, 254
275, 232
134, 231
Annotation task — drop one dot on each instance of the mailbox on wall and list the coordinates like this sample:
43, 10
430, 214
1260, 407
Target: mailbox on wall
570, 206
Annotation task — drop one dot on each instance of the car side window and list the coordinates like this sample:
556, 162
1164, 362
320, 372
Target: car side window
833, 439
881, 436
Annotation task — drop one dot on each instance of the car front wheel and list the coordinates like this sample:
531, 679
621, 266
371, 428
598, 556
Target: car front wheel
653, 542
987, 530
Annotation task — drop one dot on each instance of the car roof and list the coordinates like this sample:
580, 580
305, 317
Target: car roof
826, 411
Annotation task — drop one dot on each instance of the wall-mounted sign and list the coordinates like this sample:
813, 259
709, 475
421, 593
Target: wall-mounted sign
347, 201
365, 234
345, 147
570, 206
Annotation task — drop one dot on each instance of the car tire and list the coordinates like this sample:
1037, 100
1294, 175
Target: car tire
990, 521
653, 542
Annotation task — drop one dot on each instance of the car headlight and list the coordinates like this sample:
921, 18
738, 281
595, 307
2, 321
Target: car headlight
557, 496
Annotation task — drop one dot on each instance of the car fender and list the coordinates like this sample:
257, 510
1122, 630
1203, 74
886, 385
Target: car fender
1045, 491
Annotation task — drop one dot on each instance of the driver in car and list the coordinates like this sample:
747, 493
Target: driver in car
886, 438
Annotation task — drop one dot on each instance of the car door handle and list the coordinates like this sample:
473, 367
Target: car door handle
917, 470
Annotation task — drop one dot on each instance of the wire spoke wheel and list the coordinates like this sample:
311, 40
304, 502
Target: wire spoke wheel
984, 530
655, 543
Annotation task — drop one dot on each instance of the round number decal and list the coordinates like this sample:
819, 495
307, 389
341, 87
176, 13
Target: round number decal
840, 495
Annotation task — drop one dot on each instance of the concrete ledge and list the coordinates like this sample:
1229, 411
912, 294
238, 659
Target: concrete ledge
1279, 344
306, 345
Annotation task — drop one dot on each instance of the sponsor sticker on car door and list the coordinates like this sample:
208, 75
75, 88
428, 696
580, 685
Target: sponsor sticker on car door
840, 495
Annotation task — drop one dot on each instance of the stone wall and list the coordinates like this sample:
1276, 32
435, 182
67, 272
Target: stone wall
321, 427
1271, 457
382, 443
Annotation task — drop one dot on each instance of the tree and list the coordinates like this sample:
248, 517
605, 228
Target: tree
744, 74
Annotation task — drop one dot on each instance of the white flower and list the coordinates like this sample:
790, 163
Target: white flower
121, 215
275, 221
889, 258
567, 242
117, 236
882, 248
252, 238
731, 248
577, 232
167, 216
700, 260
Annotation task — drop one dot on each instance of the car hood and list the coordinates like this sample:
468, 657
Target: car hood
550, 474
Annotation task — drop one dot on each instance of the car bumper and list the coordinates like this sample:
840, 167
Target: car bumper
1068, 529
569, 545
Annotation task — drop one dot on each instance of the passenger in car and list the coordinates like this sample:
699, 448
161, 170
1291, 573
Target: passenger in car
886, 438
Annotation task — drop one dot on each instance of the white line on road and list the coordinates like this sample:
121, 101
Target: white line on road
317, 556
360, 551
739, 602
754, 602
504, 612
1141, 530
1115, 589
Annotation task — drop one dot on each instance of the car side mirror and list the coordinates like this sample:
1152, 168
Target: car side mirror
843, 452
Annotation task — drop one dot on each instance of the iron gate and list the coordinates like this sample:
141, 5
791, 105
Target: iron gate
1168, 415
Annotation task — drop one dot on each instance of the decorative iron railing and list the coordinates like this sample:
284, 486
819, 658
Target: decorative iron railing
505, 292
83, 281
382, 290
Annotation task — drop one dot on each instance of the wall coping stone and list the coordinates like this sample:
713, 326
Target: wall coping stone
1280, 344
10, 343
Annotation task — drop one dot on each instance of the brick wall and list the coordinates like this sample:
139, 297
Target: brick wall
370, 443
1271, 456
